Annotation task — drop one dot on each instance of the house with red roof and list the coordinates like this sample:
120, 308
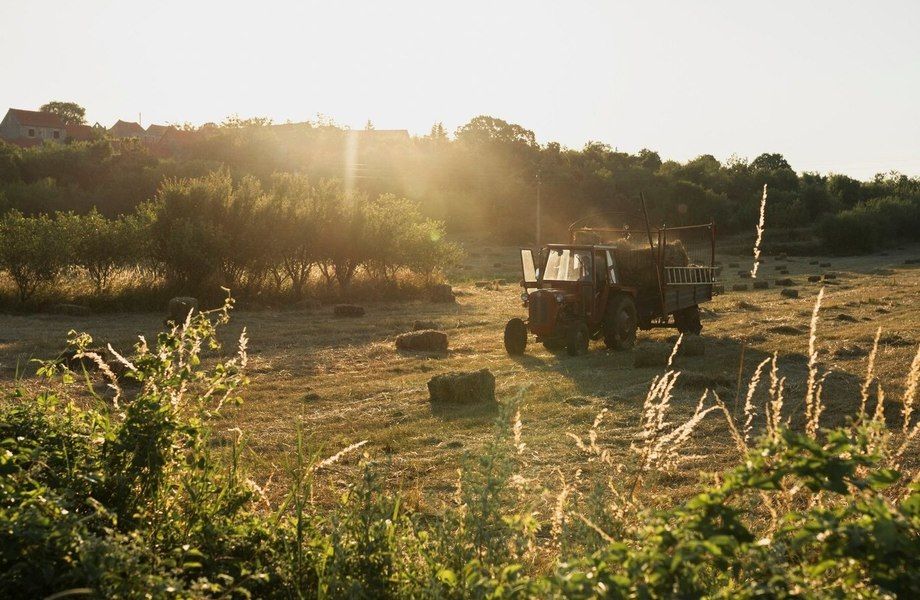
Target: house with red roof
31, 127
127, 129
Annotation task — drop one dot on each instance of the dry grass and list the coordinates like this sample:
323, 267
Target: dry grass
342, 381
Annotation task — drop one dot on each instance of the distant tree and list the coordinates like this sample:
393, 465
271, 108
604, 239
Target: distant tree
234, 121
770, 162
369, 126
69, 112
438, 132
649, 159
484, 129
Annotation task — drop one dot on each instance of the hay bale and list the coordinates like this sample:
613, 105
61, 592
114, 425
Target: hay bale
779, 268
744, 274
761, 285
179, 308
828, 276
739, 287
69, 358
482, 284
441, 293
824, 265
814, 278
74, 310
348, 310
784, 272
912, 261
785, 282
420, 325
813, 262
691, 345
425, 340
732, 265
789, 293
651, 355
471, 387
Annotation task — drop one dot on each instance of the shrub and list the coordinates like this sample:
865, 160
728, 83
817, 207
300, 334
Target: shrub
33, 251
872, 224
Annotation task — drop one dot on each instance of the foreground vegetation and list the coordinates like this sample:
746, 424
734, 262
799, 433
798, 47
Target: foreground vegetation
134, 493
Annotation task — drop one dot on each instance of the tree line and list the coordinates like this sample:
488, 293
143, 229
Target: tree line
483, 181
199, 234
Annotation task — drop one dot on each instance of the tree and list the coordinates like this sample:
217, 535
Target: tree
33, 250
69, 112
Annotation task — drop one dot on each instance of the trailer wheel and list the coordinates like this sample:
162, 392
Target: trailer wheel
620, 323
576, 342
687, 320
515, 337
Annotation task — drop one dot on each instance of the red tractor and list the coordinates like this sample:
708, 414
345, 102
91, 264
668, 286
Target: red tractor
611, 284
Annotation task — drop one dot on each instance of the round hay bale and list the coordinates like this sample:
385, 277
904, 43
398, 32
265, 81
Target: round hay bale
739, 287
348, 310
472, 387
651, 355
441, 293
787, 282
74, 310
814, 278
761, 285
789, 293
179, 308
425, 340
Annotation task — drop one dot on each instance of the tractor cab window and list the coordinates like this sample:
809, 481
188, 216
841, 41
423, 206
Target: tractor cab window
600, 268
611, 267
568, 265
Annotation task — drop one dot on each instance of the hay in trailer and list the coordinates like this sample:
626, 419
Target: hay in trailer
637, 264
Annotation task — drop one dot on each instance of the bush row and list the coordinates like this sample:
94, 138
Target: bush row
204, 233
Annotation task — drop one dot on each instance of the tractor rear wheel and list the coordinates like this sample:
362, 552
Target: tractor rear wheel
515, 337
576, 342
620, 323
687, 320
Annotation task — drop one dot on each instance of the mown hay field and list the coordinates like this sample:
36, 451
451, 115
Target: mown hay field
341, 380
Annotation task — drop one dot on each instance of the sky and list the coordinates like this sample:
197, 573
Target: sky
832, 85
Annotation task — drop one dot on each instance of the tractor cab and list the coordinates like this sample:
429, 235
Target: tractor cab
567, 290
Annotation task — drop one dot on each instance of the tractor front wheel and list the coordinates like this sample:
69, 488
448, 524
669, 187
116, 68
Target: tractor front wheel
515, 337
687, 320
620, 323
576, 342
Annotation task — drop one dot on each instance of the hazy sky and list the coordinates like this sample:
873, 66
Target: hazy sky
833, 85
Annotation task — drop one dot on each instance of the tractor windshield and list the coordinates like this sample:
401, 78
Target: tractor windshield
568, 265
